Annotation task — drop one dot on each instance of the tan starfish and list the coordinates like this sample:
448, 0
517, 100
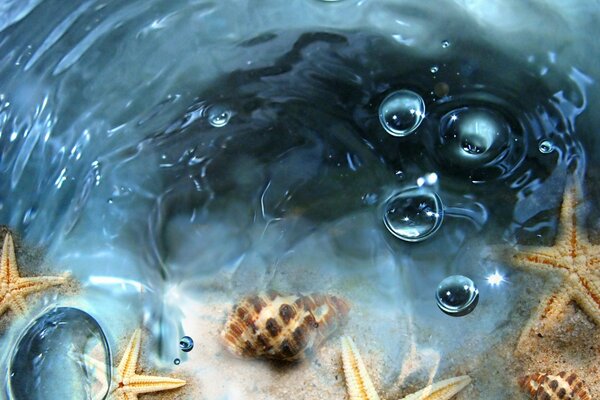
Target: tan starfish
573, 257
360, 386
128, 384
14, 288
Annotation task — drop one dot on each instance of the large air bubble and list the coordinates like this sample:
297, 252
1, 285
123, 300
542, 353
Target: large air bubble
63, 354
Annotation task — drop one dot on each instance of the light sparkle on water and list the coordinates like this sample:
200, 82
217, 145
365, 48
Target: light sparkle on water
495, 279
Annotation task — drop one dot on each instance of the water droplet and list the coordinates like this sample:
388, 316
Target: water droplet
413, 215
218, 116
445, 44
370, 198
186, 344
63, 345
401, 112
457, 295
471, 137
546, 147
177, 361
434, 69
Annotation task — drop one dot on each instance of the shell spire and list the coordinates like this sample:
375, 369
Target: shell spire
282, 327
563, 386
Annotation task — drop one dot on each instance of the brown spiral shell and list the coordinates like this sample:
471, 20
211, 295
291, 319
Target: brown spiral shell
563, 386
282, 327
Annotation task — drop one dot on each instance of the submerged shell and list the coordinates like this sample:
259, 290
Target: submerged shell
282, 327
563, 386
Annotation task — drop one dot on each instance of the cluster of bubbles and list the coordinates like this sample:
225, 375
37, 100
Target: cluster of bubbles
186, 344
414, 215
469, 138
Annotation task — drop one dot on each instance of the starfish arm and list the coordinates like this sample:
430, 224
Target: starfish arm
594, 256
4, 305
537, 257
18, 304
443, 390
549, 310
358, 382
587, 295
8, 260
130, 357
26, 286
138, 384
121, 395
14, 302
568, 231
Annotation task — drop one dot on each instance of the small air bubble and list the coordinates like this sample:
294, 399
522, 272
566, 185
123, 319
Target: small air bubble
434, 69
445, 44
546, 147
186, 344
177, 361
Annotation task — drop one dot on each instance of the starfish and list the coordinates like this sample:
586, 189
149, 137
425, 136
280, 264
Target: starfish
128, 384
14, 288
360, 386
573, 257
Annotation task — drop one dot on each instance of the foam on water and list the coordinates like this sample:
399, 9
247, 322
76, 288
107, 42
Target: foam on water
176, 155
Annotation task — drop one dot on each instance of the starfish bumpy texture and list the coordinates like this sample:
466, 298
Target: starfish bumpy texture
14, 288
573, 257
360, 386
129, 384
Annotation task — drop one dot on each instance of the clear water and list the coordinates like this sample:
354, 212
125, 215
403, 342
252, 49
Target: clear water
177, 155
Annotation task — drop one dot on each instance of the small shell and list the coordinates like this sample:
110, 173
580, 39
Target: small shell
563, 386
282, 327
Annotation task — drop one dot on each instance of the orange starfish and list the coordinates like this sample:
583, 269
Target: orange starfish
129, 384
573, 257
13, 288
126, 384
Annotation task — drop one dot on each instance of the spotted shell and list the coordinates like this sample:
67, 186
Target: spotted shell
282, 327
563, 386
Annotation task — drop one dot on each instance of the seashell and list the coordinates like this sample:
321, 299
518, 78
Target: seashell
563, 386
282, 327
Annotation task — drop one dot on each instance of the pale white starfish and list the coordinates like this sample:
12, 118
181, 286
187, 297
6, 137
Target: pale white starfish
360, 386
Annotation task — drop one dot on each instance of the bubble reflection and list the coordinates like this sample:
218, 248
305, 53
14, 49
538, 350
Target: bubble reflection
401, 112
457, 295
413, 215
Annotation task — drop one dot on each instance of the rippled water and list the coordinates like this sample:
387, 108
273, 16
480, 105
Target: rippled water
176, 155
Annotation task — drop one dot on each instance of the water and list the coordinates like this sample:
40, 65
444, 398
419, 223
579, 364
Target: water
177, 155
457, 295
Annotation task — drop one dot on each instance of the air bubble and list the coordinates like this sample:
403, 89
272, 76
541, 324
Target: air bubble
186, 344
457, 295
434, 69
445, 44
218, 116
413, 215
401, 112
546, 147
177, 361
473, 136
